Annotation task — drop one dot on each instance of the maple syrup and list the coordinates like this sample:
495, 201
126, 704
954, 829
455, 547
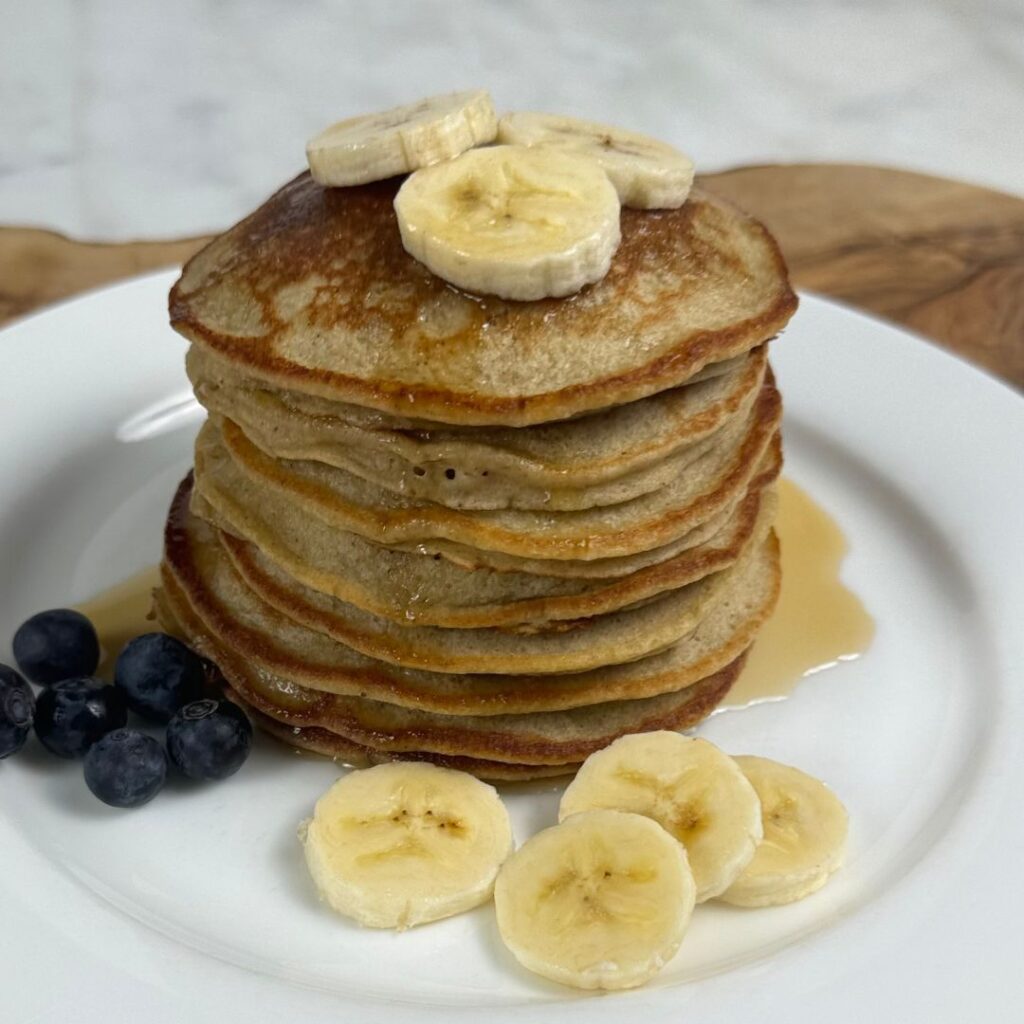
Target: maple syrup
818, 621
120, 613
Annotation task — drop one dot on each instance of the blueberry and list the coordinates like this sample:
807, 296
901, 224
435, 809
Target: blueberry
125, 768
209, 739
17, 708
54, 645
72, 715
159, 675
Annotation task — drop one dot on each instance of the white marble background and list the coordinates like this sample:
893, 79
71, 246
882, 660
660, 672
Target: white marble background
127, 118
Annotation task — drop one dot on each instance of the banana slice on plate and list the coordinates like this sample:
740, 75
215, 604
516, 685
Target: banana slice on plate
647, 173
376, 146
512, 221
599, 901
696, 792
805, 827
405, 843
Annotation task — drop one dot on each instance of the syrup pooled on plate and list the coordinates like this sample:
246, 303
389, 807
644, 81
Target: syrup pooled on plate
818, 621
121, 613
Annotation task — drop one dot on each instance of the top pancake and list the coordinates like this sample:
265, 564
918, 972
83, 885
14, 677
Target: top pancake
313, 292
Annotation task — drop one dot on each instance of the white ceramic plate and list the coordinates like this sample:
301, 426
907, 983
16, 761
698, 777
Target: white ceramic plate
197, 907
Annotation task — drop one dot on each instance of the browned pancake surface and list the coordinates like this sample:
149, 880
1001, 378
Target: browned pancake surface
314, 292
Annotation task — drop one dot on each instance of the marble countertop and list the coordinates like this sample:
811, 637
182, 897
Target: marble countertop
139, 118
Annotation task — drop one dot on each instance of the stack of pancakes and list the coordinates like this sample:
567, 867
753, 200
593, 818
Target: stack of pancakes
491, 534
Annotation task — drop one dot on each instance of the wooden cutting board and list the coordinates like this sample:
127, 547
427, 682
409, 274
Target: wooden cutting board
943, 258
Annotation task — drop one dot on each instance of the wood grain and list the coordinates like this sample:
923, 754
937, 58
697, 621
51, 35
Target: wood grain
40, 267
942, 257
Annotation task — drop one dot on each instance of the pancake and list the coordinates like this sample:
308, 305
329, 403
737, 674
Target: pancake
600, 459
206, 367
768, 469
573, 646
393, 581
550, 738
545, 738
455, 486
328, 744
313, 666
314, 292
346, 502
412, 588
610, 639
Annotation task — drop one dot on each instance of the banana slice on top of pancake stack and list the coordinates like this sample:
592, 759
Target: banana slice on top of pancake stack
488, 474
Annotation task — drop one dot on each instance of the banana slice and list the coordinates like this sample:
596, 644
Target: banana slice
647, 174
511, 221
376, 146
406, 843
805, 827
600, 901
686, 785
